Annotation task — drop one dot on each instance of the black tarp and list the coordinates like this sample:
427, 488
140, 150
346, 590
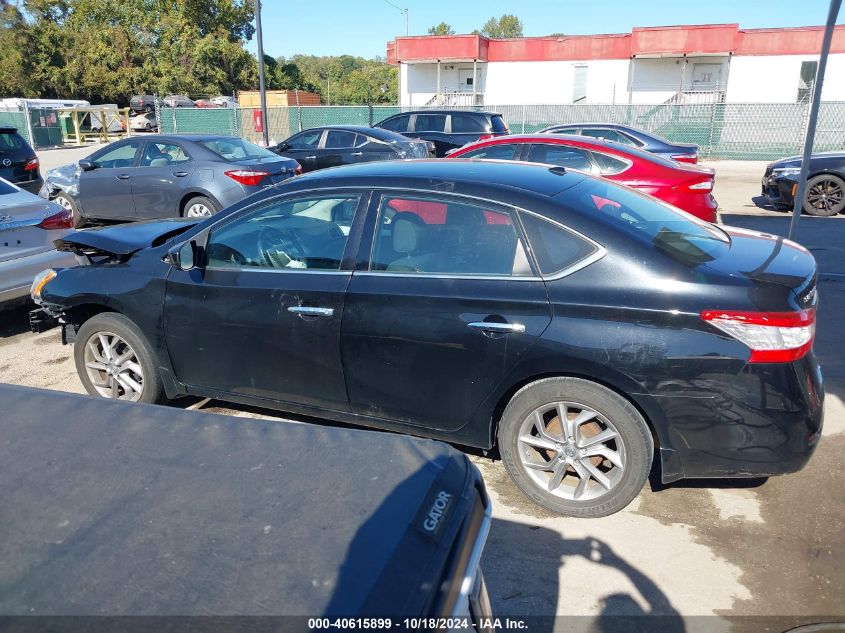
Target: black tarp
109, 508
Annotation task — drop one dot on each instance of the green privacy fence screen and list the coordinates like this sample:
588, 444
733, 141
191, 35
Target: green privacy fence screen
15, 119
745, 131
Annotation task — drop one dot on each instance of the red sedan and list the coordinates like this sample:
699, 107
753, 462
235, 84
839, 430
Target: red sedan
688, 187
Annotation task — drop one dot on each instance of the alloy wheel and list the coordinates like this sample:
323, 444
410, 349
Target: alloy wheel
197, 210
572, 451
113, 367
825, 195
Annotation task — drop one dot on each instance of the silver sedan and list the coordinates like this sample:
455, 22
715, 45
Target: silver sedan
28, 226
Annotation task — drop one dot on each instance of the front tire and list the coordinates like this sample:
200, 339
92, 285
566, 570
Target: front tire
66, 202
115, 361
575, 447
199, 207
825, 195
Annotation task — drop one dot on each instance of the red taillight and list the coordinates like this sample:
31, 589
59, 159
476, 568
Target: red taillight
774, 337
247, 177
31, 164
685, 158
61, 220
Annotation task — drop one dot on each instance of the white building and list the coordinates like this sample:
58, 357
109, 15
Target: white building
674, 64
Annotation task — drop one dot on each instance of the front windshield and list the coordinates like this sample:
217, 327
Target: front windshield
665, 228
236, 149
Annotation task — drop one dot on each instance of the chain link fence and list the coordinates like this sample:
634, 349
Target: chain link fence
17, 120
757, 131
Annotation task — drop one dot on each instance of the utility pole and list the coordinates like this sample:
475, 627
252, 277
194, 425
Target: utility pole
801, 185
262, 88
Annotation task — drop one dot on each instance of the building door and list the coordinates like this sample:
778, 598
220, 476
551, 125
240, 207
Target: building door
706, 76
465, 80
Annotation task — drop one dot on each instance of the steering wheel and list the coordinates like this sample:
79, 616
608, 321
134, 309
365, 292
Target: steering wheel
278, 248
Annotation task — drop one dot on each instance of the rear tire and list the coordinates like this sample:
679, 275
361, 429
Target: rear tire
199, 207
115, 361
824, 196
561, 466
66, 202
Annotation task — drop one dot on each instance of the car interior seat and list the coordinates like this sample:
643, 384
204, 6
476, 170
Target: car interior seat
408, 233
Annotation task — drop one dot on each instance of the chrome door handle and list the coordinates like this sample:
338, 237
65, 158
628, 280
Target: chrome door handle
310, 157
357, 154
311, 311
179, 174
123, 176
487, 326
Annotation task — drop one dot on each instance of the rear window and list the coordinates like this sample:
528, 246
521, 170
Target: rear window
468, 124
672, 232
499, 124
11, 141
236, 149
395, 124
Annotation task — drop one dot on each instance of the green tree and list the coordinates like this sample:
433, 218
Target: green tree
346, 79
441, 29
506, 26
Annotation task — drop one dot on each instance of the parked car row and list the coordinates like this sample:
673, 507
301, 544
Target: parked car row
146, 103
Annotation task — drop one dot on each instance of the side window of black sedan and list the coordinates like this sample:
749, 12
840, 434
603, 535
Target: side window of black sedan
305, 233
309, 139
437, 236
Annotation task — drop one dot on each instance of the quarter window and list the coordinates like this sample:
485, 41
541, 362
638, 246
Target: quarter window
609, 165
123, 156
555, 247
429, 235
306, 233
560, 155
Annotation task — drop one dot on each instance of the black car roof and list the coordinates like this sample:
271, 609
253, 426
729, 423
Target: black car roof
447, 111
376, 132
447, 175
7, 129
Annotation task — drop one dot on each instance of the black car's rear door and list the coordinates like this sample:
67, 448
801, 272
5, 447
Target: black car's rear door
262, 317
446, 307
336, 149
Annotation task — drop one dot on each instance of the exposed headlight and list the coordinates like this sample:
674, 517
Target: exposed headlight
41, 280
786, 172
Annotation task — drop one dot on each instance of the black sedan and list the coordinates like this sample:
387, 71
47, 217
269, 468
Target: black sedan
825, 192
472, 301
164, 176
633, 137
336, 145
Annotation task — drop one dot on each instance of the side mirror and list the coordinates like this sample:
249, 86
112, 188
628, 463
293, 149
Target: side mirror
183, 256
281, 147
87, 165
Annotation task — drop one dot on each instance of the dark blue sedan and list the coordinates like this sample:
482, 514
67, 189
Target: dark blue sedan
633, 137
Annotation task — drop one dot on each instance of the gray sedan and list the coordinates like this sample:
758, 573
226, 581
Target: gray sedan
164, 176
28, 226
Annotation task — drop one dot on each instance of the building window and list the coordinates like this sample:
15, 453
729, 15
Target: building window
579, 84
807, 80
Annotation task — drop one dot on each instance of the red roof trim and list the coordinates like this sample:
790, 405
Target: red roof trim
646, 41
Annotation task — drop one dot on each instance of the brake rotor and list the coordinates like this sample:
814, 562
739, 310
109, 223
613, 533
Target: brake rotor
588, 429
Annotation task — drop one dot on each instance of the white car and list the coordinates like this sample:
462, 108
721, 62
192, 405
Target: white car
225, 102
144, 122
28, 227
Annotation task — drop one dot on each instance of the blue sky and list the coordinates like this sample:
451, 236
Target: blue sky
363, 27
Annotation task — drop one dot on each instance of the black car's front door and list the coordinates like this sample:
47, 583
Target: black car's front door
448, 306
303, 148
106, 190
262, 317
